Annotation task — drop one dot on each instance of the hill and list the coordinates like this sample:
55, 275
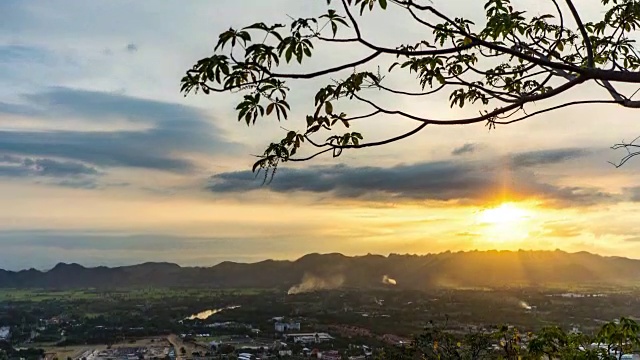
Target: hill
453, 270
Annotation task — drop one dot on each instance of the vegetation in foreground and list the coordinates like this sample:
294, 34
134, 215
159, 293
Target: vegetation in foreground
613, 341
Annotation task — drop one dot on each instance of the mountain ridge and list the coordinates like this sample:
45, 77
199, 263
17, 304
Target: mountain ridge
493, 268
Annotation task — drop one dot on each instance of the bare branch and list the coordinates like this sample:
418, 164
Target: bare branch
572, 103
327, 71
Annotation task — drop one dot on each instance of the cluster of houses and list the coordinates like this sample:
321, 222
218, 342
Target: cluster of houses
290, 337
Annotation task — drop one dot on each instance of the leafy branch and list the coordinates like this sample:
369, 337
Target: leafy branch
499, 69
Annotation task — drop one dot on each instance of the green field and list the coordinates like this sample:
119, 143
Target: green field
37, 295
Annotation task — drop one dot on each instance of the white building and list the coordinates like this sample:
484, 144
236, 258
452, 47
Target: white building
284, 327
308, 338
245, 356
5, 333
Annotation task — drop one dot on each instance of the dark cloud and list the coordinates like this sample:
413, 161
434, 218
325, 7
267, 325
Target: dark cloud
18, 109
132, 47
11, 159
464, 149
13, 171
62, 173
546, 157
83, 183
49, 167
632, 193
173, 129
443, 180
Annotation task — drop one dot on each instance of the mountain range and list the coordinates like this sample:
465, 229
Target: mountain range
449, 269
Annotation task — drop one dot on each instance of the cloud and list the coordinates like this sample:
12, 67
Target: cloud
546, 157
173, 130
442, 180
561, 229
132, 48
62, 173
632, 193
465, 149
10, 159
23, 65
18, 109
20, 53
49, 167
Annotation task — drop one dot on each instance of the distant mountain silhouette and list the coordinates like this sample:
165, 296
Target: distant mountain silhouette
451, 270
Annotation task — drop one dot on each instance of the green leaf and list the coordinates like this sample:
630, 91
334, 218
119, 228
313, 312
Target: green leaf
383, 4
299, 55
328, 108
289, 53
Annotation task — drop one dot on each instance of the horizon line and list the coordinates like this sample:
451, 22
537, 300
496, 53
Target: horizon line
294, 259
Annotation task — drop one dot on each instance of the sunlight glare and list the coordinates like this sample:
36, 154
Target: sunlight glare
505, 213
505, 223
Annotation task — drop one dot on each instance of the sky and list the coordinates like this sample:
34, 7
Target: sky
104, 162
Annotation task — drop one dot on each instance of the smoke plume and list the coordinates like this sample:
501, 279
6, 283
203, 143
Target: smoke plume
525, 306
207, 313
311, 283
389, 281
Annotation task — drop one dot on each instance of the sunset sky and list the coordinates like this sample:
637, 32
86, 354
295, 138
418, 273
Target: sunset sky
103, 161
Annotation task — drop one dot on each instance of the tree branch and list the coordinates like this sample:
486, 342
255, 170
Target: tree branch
487, 116
326, 71
572, 103
583, 31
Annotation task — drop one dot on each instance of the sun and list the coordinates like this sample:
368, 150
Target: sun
504, 214
505, 223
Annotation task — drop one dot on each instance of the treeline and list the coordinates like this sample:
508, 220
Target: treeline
613, 341
9, 352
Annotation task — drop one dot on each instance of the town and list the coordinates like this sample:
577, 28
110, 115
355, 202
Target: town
181, 324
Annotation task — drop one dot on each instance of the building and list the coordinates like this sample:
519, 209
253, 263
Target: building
245, 356
284, 327
5, 333
308, 338
330, 355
